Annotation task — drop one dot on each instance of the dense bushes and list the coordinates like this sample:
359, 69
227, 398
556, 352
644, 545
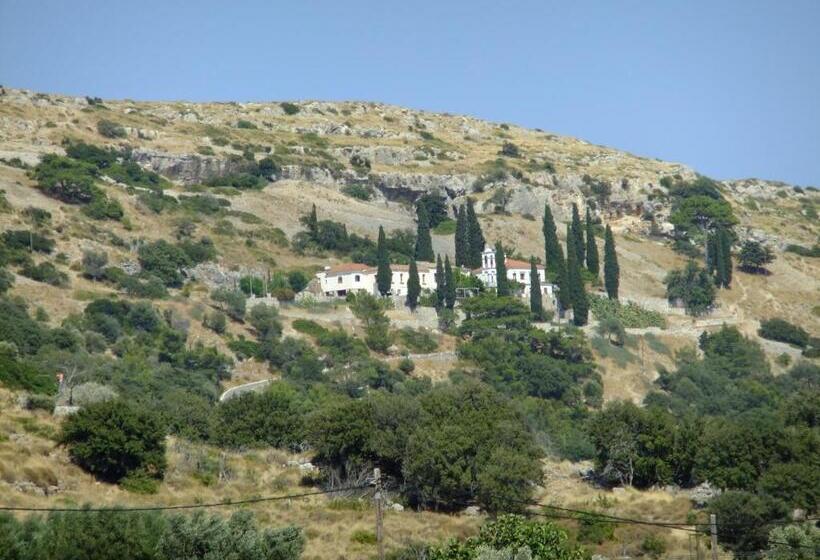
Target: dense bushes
511, 537
629, 314
110, 129
693, 287
722, 418
166, 260
144, 536
453, 445
273, 418
113, 440
72, 181
327, 235
783, 331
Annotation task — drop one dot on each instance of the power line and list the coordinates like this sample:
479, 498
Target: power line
184, 506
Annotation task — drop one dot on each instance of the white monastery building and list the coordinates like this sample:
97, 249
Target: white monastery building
517, 271
339, 280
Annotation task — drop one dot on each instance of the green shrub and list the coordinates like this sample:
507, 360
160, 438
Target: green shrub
418, 340
693, 286
18, 374
654, 546
110, 129
165, 261
813, 251
114, 439
204, 537
215, 321
359, 191
630, 315
67, 180
289, 108
233, 302
45, 272
783, 331
103, 208
25, 240
308, 327
362, 536
445, 227
241, 123
272, 418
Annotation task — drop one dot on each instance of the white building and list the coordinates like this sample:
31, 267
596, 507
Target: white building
339, 280
517, 271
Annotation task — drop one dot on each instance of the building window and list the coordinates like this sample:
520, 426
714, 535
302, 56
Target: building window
357, 278
521, 275
339, 280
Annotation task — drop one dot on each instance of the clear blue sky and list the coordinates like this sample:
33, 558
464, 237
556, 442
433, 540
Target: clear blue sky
731, 88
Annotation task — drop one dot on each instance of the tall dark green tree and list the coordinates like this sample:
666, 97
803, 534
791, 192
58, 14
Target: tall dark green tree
592, 247
501, 281
311, 222
536, 305
413, 286
612, 272
577, 236
384, 276
441, 285
724, 260
462, 237
575, 284
424, 242
711, 252
552, 247
475, 237
449, 285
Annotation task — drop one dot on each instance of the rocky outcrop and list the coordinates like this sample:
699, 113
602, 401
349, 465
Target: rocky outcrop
188, 169
409, 186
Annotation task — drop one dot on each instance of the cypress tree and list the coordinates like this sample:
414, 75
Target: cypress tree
475, 237
462, 237
384, 276
577, 293
612, 272
552, 248
723, 245
536, 305
578, 236
449, 285
592, 247
311, 222
413, 286
502, 283
711, 253
440, 283
424, 243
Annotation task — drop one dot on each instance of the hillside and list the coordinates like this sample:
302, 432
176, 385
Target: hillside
363, 165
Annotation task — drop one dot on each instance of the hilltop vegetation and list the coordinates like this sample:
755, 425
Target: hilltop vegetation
137, 238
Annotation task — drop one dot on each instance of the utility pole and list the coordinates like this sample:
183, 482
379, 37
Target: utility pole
713, 524
378, 498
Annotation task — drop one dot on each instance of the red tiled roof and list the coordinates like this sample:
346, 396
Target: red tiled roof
348, 268
422, 267
513, 263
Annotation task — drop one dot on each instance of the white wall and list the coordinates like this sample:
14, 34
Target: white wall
341, 284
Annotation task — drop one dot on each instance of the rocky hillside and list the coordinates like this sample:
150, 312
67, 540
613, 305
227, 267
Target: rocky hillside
320, 149
242, 175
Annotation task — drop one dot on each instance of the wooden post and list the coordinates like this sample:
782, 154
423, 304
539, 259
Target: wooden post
379, 499
713, 524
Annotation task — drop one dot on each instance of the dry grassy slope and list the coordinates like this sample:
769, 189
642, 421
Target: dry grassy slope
31, 125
